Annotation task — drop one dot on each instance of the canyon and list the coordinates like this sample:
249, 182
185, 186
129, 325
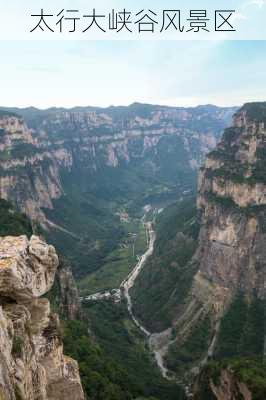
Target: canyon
198, 291
225, 286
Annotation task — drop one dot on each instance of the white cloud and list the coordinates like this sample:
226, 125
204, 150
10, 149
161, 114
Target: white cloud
173, 73
238, 16
259, 3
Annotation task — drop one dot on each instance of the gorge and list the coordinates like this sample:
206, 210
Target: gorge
84, 178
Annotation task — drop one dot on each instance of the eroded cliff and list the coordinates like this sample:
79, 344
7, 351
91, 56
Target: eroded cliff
32, 363
65, 295
232, 204
223, 314
29, 174
38, 147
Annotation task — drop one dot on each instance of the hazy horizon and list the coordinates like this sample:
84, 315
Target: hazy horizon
179, 74
118, 106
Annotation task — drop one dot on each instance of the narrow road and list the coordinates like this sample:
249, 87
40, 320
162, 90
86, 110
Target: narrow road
128, 283
158, 342
155, 340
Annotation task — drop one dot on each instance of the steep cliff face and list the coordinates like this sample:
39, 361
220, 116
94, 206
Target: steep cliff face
232, 380
232, 203
66, 295
32, 363
73, 170
222, 312
225, 386
119, 136
29, 175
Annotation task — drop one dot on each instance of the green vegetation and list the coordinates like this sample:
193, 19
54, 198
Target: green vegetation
113, 359
228, 205
12, 222
233, 168
118, 263
240, 348
5, 113
178, 217
226, 152
184, 357
22, 150
258, 173
162, 285
92, 199
252, 372
94, 231
261, 214
95, 191
242, 329
235, 172
256, 111
17, 346
248, 370
225, 202
5, 155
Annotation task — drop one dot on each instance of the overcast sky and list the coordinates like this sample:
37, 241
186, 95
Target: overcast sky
103, 73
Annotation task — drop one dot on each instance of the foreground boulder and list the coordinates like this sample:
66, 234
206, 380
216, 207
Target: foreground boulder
32, 363
27, 267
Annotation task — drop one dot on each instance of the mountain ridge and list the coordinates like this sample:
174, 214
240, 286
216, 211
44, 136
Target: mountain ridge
221, 312
111, 107
79, 160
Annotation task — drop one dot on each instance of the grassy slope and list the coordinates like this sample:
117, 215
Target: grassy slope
114, 361
13, 223
92, 199
240, 347
181, 359
96, 229
248, 370
118, 263
242, 329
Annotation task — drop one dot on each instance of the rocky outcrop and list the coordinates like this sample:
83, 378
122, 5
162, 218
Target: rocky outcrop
32, 363
29, 175
27, 268
68, 295
225, 386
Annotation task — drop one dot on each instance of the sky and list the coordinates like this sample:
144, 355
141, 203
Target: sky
67, 73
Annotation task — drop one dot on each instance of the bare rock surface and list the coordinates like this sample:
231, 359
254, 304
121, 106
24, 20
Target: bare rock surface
32, 363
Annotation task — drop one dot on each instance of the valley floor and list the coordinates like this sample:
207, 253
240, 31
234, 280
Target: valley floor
158, 342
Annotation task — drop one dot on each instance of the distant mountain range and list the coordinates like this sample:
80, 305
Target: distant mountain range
71, 169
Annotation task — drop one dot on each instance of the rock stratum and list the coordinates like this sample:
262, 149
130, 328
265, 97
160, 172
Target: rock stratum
206, 279
72, 170
226, 386
32, 363
225, 306
38, 147
232, 206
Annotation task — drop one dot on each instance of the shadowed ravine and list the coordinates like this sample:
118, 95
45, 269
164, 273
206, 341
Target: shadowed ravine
158, 342
127, 284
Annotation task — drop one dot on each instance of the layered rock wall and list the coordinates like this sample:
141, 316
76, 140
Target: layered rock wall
231, 255
32, 363
37, 150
